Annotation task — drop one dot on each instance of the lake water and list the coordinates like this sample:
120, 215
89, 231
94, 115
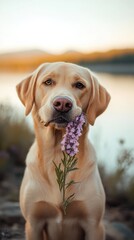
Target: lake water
116, 123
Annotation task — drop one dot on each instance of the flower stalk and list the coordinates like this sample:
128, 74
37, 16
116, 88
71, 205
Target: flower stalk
69, 147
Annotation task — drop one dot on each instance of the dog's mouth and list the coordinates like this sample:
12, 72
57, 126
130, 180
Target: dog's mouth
61, 121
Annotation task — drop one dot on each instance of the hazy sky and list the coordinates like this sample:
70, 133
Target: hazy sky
62, 25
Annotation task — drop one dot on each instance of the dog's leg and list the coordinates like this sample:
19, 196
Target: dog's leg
43, 221
34, 230
94, 231
101, 232
73, 222
79, 226
72, 230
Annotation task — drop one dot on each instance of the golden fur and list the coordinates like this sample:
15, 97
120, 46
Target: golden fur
40, 198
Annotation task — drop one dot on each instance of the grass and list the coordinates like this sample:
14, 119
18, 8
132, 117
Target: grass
15, 139
14, 131
119, 185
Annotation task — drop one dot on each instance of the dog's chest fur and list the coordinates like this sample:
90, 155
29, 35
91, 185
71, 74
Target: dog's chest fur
42, 177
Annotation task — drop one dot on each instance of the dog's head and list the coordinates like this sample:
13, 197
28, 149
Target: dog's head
61, 91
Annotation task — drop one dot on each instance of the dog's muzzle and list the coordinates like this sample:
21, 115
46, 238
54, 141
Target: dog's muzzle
62, 107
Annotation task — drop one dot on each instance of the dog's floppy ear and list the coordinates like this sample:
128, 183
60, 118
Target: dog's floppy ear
98, 102
25, 90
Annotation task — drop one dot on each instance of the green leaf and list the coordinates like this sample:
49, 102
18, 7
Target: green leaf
72, 169
70, 183
71, 197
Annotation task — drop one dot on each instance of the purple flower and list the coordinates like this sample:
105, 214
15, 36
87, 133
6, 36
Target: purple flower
70, 144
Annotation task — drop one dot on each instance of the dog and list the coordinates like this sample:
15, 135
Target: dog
56, 93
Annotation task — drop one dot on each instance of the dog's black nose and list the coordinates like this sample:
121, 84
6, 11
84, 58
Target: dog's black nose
62, 104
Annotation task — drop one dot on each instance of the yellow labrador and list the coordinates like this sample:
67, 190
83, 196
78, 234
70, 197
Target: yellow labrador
56, 93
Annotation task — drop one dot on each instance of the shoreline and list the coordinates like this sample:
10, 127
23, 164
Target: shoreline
111, 68
118, 69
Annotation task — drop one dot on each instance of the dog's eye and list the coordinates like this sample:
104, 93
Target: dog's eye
48, 82
79, 85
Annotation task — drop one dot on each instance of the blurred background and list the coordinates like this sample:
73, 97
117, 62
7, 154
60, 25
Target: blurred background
99, 35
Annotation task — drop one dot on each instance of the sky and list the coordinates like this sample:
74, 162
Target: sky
56, 26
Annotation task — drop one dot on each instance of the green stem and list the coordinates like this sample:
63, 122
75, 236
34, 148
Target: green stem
62, 169
64, 187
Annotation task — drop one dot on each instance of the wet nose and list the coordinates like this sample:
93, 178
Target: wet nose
62, 104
